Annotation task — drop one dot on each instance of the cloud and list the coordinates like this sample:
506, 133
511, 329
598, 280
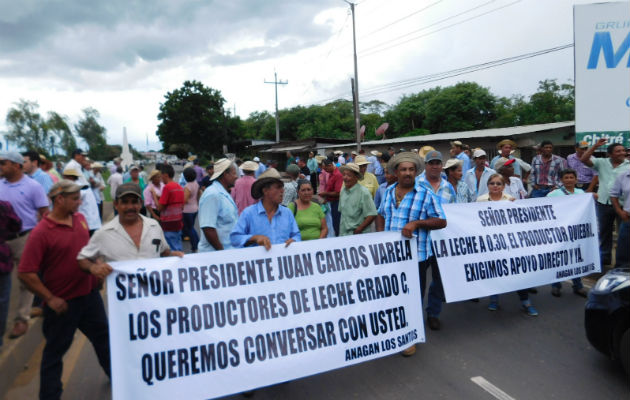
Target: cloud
65, 39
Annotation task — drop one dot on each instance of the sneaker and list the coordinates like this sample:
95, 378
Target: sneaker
493, 306
580, 292
18, 330
409, 351
434, 323
530, 310
555, 291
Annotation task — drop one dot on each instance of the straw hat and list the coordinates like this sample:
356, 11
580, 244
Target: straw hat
405, 157
155, 172
376, 153
270, 175
506, 141
351, 167
452, 162
249, 166
71, 172
64, 186
192, 158
97, 164
319, 158
220, 167
361, 160
424, 150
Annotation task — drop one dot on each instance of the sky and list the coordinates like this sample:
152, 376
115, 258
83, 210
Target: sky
122, 57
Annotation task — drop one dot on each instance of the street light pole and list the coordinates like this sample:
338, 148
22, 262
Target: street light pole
357, 117
276, 83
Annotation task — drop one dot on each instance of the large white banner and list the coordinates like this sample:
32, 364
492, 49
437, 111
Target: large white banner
602, 72
212, 324
496, 247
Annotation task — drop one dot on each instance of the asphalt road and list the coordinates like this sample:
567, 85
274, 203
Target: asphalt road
544, 357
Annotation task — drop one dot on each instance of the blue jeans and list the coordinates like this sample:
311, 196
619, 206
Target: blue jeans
539, 193
622, 259
606, 220
436, 290
86, 313
190, 231
5, 295
577, 284
174, 240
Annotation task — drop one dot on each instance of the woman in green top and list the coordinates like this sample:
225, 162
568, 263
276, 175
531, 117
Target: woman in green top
309, 215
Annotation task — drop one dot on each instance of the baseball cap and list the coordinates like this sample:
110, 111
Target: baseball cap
432, 156
78, 151
479, 153
128, 188
12, 156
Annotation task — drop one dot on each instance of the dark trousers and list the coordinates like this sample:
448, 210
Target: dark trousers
436, 290
606, 220
314, 181
622, 257
86, 313
100, 210
335, 214
190, 231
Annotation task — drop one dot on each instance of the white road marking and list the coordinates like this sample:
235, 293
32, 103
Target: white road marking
490, 388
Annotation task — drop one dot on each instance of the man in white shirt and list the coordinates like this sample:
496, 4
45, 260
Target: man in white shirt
89, 206
130, 236
76, 163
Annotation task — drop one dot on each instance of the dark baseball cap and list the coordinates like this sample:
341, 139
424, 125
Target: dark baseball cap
78, 151
128, 188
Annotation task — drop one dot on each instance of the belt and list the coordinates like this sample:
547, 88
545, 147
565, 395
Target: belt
17, 235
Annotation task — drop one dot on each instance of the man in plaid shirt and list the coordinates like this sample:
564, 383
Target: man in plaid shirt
413, 210
546, 168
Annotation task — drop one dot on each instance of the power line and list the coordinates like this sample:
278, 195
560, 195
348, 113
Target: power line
401, 19
441, 29
462, 71
420, 80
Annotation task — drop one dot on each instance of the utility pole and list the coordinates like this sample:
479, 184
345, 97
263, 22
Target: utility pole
357, 122
276, 83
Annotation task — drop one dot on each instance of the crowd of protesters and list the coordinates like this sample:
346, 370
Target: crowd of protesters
52, 228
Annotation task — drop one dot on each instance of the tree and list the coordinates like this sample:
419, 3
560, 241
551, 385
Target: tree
93, 133
194, 115
26, 127
58, 126
465, 106
551, 103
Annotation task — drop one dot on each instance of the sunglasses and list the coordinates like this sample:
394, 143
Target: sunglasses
495, 183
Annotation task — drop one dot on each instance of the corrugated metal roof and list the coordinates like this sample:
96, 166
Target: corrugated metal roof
483, 133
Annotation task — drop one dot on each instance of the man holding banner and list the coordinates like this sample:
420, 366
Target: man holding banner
413, 210
266, 222
128, 236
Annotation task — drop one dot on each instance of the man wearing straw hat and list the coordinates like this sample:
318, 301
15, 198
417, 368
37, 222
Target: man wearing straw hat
368, 180
506, 147
218, 212
356, 204
412, 210
266, 222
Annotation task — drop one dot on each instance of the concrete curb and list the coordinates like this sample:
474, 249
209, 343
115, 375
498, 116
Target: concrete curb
16, 354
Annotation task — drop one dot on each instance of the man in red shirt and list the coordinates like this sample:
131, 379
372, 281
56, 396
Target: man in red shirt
70, 295
171, 207
331, 191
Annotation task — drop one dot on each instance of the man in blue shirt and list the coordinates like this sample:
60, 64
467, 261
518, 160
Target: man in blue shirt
412, 210
267, 222
457, 148
31, 168
217, 211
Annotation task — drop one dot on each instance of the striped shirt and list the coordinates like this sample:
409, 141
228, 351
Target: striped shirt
418, 204
547, 173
